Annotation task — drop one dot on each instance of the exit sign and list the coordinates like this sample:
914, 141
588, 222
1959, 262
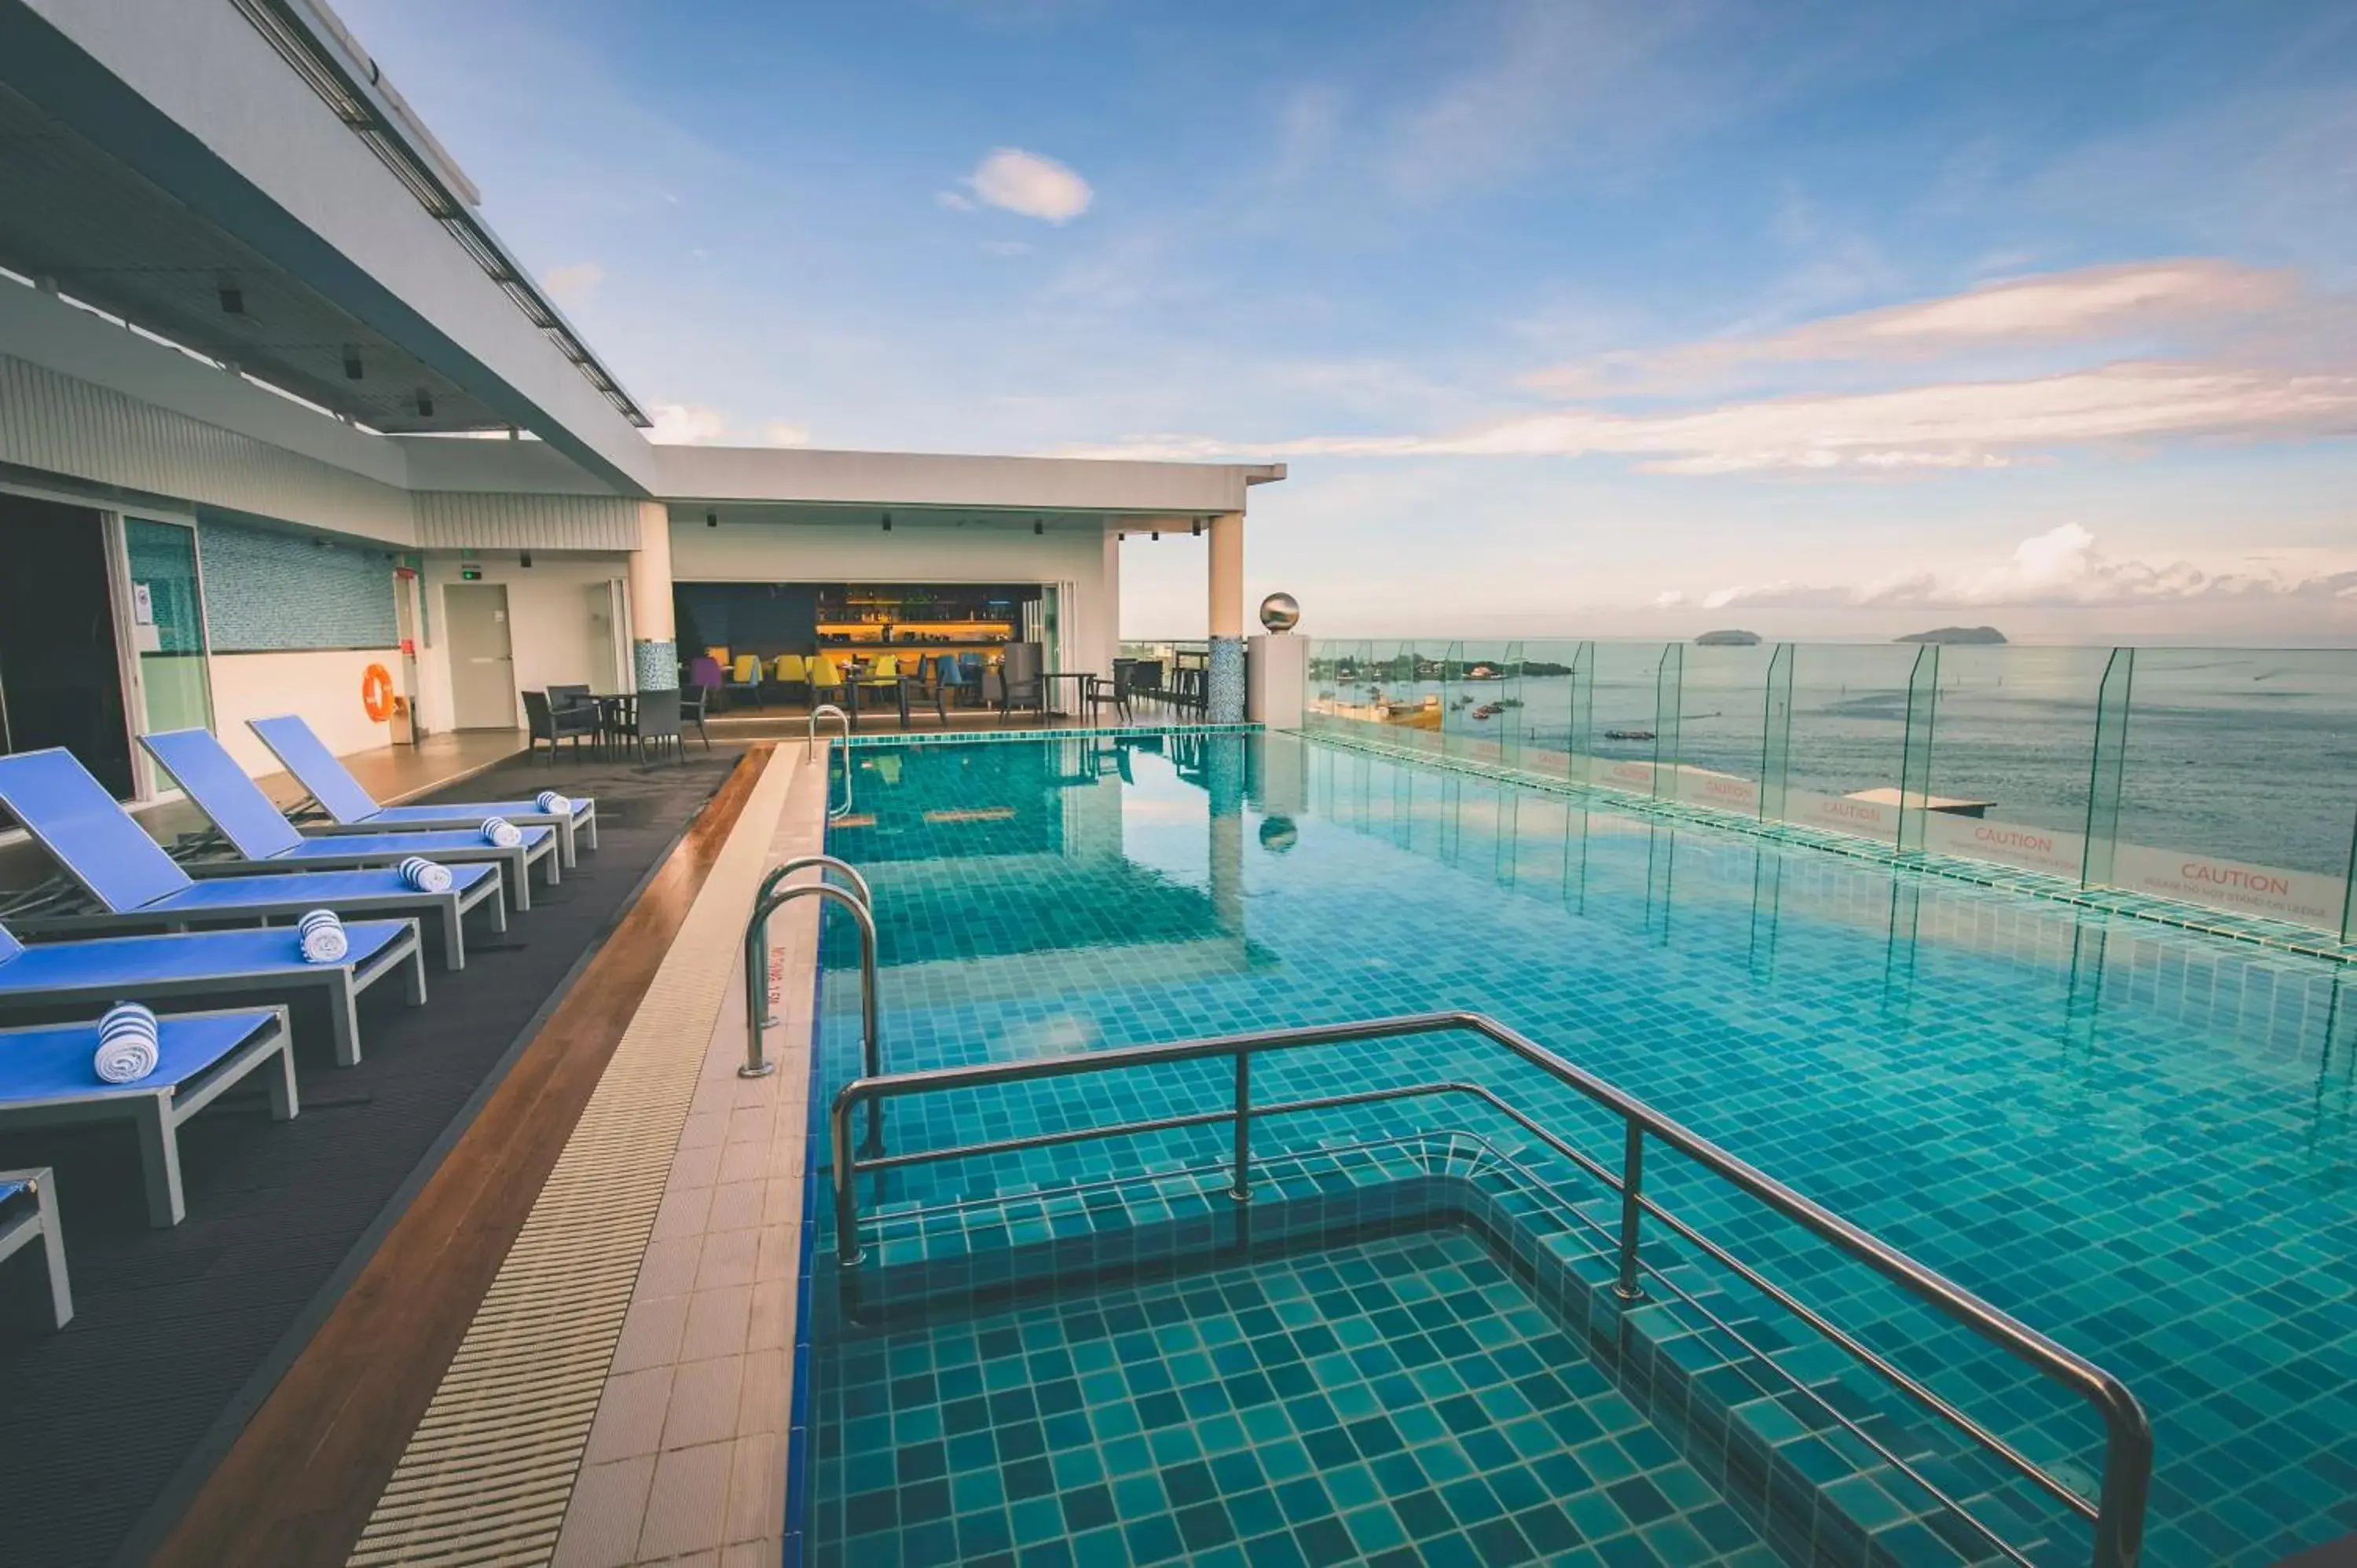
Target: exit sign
470, 574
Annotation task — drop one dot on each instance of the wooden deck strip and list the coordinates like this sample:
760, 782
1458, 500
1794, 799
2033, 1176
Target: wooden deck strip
299, 1482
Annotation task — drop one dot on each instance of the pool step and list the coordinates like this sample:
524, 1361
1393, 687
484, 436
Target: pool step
1812, 1491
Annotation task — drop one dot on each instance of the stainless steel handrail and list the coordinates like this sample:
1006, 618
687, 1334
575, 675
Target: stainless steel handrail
2118, 1513
816, 713
825, 862
757, 978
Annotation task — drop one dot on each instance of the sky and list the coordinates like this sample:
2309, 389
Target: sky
1567, 318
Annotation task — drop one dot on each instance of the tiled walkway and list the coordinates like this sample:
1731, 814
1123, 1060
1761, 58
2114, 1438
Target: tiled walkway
686, 1459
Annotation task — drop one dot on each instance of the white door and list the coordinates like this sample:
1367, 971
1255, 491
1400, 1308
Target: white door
610, 635
483, 659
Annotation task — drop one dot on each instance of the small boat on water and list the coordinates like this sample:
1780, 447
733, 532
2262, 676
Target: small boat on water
1629, 734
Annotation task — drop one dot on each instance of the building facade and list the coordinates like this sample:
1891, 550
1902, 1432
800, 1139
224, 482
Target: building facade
284, 425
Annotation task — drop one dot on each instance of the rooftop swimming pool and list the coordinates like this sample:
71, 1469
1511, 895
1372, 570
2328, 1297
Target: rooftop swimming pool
2132, 1139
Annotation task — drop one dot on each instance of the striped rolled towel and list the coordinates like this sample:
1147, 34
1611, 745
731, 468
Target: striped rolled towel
127, 1044
555, 804
322, 935
426, 876
502, 832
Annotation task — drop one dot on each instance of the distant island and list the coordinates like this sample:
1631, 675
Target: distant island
1955, 635
1728, 639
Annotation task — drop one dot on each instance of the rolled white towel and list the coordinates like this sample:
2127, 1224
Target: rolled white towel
426, 876
322, 935
555, 804
500, 831
127, 1044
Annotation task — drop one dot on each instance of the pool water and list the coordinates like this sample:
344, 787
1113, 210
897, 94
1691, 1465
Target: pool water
2134, 1140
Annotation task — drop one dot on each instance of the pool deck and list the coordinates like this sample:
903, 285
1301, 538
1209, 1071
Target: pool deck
574, 1344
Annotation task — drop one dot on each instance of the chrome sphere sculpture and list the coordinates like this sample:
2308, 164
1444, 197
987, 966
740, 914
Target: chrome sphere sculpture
1280, 612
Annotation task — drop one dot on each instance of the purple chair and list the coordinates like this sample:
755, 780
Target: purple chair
705, 674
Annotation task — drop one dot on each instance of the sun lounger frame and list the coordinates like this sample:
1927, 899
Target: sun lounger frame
157, 1112
38, 1222
515, 863
342, 982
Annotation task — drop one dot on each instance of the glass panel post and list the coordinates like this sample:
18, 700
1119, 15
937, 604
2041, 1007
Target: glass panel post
1668, 695
2106, 775
1776, 735
1581, 741
1915, 759
1452, 677
2349, 894
1509, 705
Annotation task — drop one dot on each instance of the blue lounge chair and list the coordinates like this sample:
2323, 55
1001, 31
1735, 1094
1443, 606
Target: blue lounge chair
46, 1081
352, 810
213, 963
268, 842
27, 1214
116, 863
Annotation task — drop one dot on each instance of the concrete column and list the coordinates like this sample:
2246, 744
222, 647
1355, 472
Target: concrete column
654, 647
1278, 665
1227, 619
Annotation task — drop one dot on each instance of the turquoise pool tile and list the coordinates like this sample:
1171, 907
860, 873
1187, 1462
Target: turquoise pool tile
2135, 1138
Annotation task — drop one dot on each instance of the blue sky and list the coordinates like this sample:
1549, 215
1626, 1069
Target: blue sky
1568, 317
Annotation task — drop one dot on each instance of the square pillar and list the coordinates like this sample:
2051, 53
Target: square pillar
1277, 669
1226, 698
654, 649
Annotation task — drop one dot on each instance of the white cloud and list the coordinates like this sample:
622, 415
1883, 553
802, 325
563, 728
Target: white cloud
687, 424
956, 201
700, 425
573, 284
2064, 568
1971, 424
2088, 303
1031, 185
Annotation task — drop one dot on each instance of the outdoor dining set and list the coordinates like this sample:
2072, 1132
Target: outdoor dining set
1012, 682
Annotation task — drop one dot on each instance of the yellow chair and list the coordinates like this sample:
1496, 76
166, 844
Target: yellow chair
718, 656
885, 671
747, 676
791, 670
826, 675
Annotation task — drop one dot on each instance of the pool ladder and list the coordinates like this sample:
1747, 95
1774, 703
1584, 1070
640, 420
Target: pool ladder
826, 710
856, 898
2117, 1515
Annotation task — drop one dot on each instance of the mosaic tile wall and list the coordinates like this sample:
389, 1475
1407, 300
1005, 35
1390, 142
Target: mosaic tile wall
269, 590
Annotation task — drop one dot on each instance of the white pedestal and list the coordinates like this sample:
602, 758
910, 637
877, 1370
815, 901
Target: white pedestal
1277, 674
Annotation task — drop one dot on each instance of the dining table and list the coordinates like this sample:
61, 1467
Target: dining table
1080, 677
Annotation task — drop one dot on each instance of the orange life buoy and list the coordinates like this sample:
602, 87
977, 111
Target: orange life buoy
376, 693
